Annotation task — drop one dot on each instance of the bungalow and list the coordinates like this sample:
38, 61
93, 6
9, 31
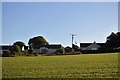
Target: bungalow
46, 48
91, 46
4, 48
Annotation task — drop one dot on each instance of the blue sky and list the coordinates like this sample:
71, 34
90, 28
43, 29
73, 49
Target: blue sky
90, 21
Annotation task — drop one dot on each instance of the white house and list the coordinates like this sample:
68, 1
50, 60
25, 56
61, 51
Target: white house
46, 48
91, 46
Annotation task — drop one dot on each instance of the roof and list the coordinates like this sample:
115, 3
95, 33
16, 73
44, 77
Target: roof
93, 45
5, 47
85, 44
88, 44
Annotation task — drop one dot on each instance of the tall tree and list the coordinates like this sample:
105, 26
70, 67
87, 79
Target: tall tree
68, 49
20, 44
39, 40
15, 50
113, 41
76, 48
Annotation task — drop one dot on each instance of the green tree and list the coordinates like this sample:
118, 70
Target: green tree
30, 51
76, 48
39, 40
20, 44
60, 51
68, 49
15, 50
113, 41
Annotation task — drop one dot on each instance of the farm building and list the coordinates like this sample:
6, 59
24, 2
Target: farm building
91, 46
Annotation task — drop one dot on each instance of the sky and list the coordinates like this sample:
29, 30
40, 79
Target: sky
55, 21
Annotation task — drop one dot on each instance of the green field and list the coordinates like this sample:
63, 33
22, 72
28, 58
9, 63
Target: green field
67, 66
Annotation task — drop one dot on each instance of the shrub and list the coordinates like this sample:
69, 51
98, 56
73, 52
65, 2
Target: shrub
68, 49
15, 51
6, 54
61, 51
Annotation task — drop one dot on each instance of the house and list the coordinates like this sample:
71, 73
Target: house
91, 46
46, 48
4, 48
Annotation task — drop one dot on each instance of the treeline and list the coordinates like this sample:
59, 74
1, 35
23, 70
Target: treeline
20, 49
16, 50
112, 44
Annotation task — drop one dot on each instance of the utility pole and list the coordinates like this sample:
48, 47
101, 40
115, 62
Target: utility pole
72, 38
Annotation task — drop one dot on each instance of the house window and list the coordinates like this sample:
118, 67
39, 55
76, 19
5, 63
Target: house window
94, 48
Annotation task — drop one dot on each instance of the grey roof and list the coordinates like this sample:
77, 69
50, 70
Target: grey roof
5, 47
87, 44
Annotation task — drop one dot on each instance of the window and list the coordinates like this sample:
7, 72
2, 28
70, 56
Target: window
94, 48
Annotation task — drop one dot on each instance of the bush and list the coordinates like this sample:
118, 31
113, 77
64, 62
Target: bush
61, 51
15, 51
30, 52
6, 54
68, 49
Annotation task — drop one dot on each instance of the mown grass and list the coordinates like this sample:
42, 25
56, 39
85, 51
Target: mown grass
67, 66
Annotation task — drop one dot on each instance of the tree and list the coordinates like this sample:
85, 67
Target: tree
60, 51
113, 41
5, 54
15, 50
39, 40
76, 48
30, 51
20, 44
68, 49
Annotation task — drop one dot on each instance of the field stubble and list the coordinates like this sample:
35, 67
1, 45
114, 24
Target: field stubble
68, 66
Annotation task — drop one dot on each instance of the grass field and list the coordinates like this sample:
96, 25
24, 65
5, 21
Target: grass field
67, 66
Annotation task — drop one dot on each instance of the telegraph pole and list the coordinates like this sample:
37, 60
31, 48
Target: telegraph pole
72, 38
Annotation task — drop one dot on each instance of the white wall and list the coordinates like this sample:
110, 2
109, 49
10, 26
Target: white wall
49, 50
36, 51
52, 50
